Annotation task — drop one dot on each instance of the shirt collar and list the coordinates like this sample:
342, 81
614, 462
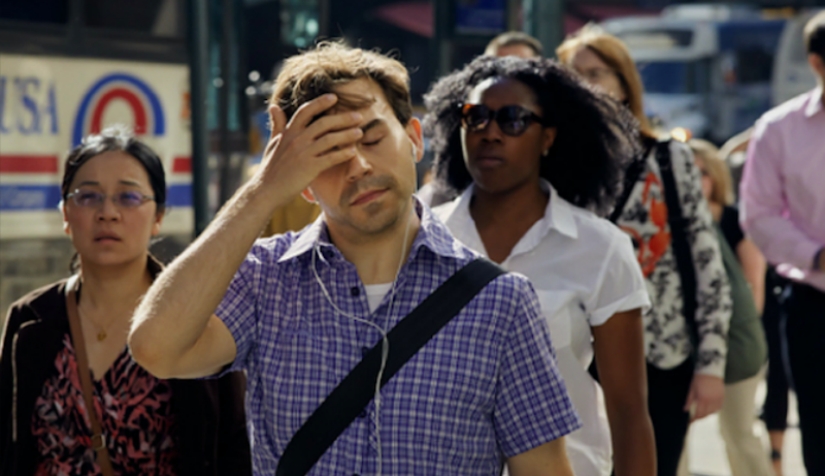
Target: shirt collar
814, 103
558, 214
316, 232
432, 235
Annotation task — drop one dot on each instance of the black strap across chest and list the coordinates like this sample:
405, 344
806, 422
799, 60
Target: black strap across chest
357, 389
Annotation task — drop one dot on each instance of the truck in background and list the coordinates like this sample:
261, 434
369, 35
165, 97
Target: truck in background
710, 68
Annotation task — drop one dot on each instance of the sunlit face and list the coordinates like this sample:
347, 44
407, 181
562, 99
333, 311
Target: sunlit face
598, 73
522, 51
110, 234
499, 162
368, 194
707, 181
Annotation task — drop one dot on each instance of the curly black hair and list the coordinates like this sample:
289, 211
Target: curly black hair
596, 136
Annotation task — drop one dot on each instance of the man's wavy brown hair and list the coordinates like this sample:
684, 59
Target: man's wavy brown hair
316, 72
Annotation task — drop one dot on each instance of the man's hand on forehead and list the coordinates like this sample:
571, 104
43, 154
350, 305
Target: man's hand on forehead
313, 140
346, 103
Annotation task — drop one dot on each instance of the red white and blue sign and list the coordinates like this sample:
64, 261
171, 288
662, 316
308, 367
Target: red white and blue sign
29, 183
49, 104
141, 99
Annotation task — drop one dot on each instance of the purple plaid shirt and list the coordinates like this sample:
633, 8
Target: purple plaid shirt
485, 388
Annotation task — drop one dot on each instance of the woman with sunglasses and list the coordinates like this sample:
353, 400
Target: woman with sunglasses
533, 155
686, 329
114, 194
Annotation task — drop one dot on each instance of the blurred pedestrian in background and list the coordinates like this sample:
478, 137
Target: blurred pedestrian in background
775, 406
64, 346
514, 43
783, 211
717, 189
746, 338
677, 247
532, 153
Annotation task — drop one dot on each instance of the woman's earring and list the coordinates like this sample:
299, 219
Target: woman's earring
545, 153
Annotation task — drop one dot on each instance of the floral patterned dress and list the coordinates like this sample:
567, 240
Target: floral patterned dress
134, 410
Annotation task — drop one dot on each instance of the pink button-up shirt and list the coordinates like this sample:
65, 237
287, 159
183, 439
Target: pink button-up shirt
783, 187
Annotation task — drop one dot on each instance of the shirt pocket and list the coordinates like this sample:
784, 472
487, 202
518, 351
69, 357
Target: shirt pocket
555, 305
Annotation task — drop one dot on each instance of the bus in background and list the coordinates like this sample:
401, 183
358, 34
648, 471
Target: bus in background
706, 68
69, 68
792, 75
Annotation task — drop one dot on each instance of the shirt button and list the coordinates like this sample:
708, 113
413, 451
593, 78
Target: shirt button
364, 351
354, 291
363, 414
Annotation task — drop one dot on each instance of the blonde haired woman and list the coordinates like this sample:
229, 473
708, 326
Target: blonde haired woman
717, 186
746, 455
686, 328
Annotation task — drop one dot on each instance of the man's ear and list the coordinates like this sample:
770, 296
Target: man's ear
413, 130
308, 195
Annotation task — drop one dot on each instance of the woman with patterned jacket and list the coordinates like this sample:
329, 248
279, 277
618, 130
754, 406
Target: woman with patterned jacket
113, 194
686, 349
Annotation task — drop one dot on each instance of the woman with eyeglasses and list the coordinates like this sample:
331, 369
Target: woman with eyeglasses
114, 199
686, 329
532, 155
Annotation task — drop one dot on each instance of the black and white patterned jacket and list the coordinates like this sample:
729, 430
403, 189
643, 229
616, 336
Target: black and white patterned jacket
645, 219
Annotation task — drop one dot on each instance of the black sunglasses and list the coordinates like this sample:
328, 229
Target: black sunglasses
512, 120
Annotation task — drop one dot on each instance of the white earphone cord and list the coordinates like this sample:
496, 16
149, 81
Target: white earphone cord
385, 343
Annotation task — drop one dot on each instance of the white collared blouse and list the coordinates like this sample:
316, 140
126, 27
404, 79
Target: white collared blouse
584, 271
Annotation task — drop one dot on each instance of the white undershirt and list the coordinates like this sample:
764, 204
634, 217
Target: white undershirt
376, 293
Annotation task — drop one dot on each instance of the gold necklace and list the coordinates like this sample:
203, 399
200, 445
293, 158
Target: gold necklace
102, 333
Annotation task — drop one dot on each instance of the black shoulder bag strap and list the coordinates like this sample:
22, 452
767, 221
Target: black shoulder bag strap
357, 389
679, 233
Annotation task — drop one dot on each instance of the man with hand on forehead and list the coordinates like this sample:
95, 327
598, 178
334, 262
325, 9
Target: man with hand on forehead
299, 311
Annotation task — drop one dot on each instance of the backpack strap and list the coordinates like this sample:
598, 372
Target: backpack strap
357, 389
679, 242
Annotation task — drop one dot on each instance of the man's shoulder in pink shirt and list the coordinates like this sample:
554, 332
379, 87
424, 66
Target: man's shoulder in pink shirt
783, 198
801, 107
